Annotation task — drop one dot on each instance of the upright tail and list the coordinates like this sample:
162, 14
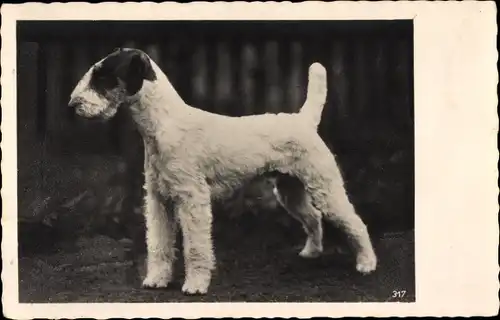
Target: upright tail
316, 93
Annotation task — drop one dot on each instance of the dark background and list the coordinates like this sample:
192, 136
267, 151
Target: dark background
79, 180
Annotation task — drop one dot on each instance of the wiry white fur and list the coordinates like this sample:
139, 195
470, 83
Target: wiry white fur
193, 156
316, 93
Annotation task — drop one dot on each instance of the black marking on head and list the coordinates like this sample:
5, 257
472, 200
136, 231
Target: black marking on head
132, 66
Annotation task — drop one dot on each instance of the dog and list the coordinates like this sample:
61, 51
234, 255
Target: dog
193, 157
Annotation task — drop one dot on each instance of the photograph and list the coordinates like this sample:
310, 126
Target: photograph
225, 156
262, 161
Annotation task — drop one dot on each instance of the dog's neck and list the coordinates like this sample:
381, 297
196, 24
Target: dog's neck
157, 104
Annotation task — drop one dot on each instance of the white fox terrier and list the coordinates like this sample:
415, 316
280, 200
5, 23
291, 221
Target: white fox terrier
193, 157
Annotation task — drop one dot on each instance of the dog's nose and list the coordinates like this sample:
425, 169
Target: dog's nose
76, 106
74, 103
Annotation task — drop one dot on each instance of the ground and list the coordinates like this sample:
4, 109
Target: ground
98, 269
68, 207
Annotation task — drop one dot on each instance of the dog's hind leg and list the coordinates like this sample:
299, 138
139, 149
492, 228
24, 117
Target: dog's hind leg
195, 216
342, 214
290, 193
330, 197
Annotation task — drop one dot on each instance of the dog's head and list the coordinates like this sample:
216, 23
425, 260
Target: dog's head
110, 82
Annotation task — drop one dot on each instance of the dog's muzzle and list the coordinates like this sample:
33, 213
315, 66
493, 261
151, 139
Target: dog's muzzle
77, 105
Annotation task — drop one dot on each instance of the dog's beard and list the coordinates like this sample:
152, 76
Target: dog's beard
93, 111
109, 112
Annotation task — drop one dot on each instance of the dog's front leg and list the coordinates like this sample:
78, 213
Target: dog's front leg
160, 237
195, 217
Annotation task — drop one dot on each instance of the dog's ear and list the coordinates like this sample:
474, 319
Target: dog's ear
139, 69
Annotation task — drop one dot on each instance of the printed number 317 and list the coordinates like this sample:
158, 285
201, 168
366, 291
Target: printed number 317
399, 294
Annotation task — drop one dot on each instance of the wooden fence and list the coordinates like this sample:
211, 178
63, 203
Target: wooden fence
229, 68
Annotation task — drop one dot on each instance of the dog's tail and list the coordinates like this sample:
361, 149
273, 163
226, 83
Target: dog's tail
316, 93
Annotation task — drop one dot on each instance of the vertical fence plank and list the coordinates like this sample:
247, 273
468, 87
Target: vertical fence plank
170, 55
404, 73
399, 103
237, 109
273, 90
223, 85
297, 84
360, 81
200, 75
380, 72
81, 61
27, 105
41, 93
27, 88
392, 80
248, 65
337, 83
374, 63
54, 72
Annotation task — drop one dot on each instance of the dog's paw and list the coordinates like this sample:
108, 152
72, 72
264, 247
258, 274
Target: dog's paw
308, 253
196, 283
311, 249
191, 288
366, 263
157, 282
